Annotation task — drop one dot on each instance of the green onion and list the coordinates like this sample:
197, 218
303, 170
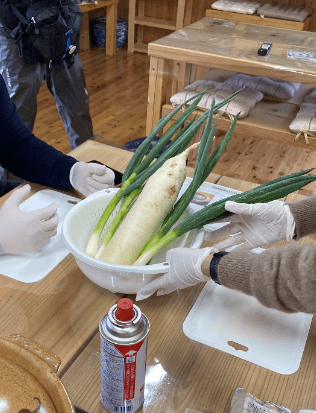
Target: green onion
142, 149
264, 193
198, 178
139, 170
125, 208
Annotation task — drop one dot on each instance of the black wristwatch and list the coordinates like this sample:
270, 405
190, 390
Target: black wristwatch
214, 265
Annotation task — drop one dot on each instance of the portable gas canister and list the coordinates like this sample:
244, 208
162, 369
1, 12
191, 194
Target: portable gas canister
123, 334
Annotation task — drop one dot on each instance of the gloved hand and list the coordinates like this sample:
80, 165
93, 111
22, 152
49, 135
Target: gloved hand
256, 224
184, 271
22, 232
88, 178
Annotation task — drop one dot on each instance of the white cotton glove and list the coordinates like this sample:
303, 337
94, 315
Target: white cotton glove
256, 224
184, 271
22, 232
88, 178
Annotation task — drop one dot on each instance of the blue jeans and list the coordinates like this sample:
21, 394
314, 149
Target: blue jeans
7, 186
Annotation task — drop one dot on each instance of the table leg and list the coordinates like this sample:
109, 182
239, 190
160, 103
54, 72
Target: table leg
85, 33
178, 81
159, 74
180, 14
140, 28
201, 71
111, 18
131, 25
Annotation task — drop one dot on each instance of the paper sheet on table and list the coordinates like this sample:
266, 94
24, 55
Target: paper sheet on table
30, 268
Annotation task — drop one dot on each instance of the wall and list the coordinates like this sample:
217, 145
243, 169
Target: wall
123, 9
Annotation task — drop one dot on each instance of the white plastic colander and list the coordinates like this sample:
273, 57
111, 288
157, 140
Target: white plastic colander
77, 229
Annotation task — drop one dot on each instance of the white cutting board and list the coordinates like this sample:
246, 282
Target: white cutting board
270, 338
33, 267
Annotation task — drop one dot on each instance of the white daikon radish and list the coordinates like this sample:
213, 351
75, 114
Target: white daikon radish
147, 214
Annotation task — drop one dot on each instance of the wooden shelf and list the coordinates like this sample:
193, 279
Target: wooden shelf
137, 20
269, 119
265, 21
141, 47
152, 22
91, 11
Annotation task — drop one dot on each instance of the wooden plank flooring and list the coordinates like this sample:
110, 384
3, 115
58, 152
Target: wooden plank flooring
118, 89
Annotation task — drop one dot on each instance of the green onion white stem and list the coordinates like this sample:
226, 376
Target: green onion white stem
92, 247
125, 208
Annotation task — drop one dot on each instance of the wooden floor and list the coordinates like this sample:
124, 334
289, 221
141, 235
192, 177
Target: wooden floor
118, 99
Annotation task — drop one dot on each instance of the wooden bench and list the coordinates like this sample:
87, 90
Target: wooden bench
268, 120
91, 11
307, 25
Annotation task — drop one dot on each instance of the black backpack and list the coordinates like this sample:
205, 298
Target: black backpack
48, 31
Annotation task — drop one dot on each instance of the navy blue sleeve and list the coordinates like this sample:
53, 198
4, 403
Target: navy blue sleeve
26, 156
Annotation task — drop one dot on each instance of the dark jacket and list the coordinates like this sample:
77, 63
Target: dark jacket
27, 156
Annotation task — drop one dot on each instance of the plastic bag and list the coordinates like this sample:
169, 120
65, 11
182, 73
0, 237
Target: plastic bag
246, 403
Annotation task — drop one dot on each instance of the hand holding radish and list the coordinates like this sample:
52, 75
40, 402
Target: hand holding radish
255, 224
22, 232
88, 178
184, 271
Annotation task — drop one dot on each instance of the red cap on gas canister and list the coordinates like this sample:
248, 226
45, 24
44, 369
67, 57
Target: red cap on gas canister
124, 310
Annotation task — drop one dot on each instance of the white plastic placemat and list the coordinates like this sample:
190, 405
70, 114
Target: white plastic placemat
30, 268
238, 324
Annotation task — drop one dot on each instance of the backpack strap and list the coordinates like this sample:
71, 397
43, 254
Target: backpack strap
16, 32
18, 14
65, 8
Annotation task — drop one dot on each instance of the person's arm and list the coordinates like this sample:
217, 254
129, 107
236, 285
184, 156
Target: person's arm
280, 278
283, 278
304, 213
25, 155
34, 160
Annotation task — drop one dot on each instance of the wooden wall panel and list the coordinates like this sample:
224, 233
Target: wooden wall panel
122, 10
162, 9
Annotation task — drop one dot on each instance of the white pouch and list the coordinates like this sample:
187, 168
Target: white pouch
311, 97
195, 88
243, 102
276, 89
305, 122
244, 7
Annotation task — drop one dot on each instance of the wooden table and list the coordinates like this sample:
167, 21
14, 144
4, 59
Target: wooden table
231, 46
63, 310
89, 12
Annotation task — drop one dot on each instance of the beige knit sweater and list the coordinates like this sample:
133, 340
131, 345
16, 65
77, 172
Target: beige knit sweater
283, 278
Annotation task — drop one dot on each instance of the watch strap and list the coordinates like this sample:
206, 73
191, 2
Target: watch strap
217, 256
117, 175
